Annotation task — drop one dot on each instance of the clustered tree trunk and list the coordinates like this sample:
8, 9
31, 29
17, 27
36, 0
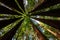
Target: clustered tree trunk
38, 33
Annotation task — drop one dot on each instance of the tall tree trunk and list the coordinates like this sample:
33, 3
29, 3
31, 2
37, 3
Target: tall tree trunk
38, 32
56, 34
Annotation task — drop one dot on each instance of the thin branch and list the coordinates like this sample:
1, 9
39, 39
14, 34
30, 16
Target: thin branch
5, 19
9, 16
39, 3
7, 36
19, 6
46, 17
57, 6
12, 9
18, 32
10, 26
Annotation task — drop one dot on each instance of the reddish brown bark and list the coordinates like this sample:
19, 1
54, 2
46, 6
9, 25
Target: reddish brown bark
39, 34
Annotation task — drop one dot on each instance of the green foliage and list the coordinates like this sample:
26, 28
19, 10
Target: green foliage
26, 31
